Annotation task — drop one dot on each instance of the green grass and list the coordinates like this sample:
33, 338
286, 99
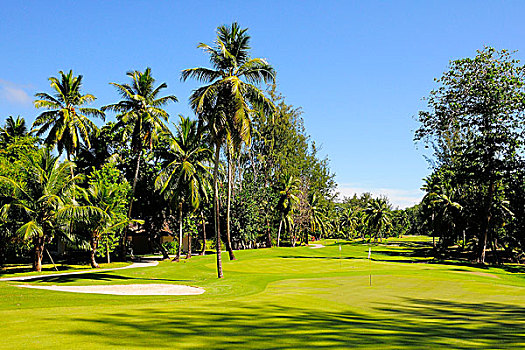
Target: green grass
282, 298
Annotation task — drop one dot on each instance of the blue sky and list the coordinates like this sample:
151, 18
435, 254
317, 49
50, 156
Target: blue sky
358, 69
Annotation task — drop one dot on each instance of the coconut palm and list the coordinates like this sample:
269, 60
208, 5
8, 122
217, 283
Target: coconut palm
378, 215
13, 128
140, 117
66, 118
288, 200
103, 211
140, 114
349, 220
229, 96
184, 178
38, 200
316, 217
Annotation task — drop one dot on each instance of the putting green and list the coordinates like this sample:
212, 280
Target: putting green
281, 298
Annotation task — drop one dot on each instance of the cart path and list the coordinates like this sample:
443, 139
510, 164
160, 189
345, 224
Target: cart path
132, 266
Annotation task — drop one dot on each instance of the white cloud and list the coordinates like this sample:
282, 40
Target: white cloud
14, 93
399, 198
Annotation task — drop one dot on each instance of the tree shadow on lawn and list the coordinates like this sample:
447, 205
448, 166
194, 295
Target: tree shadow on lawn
23, 269
101, 276
412, 323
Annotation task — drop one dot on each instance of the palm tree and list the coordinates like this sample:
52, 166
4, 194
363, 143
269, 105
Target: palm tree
13, 128
349, 220
223, 103
103, 212
442, 200
288, 200
183, 179
378, 215
316, 216
38, 200
66, 118
141, 117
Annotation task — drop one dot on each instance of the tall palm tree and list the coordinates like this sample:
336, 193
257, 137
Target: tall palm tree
288, 200
229, 96
66, 118
184, 178
141, 117
378, 215
38, 199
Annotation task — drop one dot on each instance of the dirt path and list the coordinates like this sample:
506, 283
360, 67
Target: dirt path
27, 278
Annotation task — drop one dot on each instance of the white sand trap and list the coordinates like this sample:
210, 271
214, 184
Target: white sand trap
316, 246
125, 289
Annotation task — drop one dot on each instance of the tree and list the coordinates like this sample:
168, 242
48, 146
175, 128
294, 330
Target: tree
378, 215
103, 213
288, 200
184, 178
38, 200
66, 118
223, 103
14, 128
140, 116
475, 122
316, 216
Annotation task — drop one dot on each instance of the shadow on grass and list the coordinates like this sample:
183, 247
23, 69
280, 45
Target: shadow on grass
90, 277
412, 323
23, 269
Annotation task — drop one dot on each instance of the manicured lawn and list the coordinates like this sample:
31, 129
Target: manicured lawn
281, 299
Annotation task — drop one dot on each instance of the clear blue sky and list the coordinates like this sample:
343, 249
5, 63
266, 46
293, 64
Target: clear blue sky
358, 69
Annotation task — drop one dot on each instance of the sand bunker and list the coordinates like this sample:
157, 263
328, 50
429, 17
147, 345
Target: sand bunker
125, 289
315, 246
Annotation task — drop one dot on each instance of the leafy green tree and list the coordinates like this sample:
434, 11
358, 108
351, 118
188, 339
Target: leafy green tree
223, 103
37, 201
66, 119
475, 120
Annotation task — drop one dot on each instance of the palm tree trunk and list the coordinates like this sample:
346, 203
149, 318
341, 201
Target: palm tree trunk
107, 249
228, 207
94, 244
203, 251
268, 235
216, 210
179, 249
134, 186
189, 246
39, 251
279, 233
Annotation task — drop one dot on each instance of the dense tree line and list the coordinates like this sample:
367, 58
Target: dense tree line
227, 165
244, 170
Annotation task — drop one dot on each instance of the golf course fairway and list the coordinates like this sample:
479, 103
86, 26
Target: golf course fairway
280, 298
